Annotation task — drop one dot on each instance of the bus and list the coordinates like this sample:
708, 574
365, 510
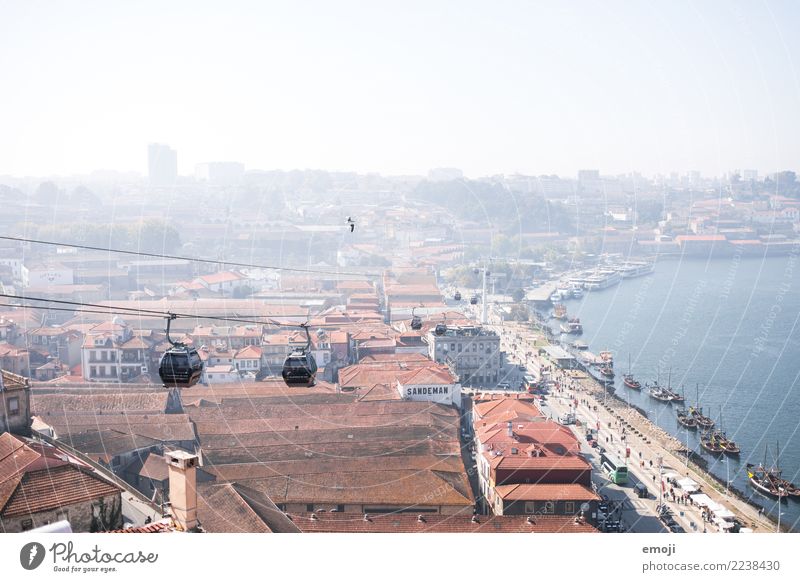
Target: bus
530, 384
616, 470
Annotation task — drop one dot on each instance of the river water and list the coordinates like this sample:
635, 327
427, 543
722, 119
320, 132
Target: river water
726, 331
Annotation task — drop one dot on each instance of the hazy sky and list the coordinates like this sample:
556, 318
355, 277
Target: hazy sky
489, 87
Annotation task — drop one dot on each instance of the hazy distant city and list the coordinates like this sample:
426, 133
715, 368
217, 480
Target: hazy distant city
438, 318
492, 308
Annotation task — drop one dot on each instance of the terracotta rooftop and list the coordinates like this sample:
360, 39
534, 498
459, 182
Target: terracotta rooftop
35, 477
121, 402
236, 508
155, 467
488, 412
328, 522
546, 492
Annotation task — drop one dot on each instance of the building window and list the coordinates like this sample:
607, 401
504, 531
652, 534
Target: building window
26, 524
569, 507
13, 406
549, 507
93, 371
310, 507
530, 507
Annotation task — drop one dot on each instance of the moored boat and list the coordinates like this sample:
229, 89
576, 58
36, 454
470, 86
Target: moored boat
685, 419
630, 382
658, 393
628, 378
767, 481
711, 443
575, 326
702, 420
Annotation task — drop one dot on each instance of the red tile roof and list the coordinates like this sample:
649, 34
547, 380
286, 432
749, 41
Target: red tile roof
35, 478
436, 523
546, 492
249, 353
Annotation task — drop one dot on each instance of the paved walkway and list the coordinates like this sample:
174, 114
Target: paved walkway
641, 435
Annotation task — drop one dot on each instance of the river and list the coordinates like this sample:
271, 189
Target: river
725, 331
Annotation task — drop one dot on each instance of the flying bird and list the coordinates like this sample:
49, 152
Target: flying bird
352, 224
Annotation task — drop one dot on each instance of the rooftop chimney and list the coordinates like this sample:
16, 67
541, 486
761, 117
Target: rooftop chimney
510, 428
183, 488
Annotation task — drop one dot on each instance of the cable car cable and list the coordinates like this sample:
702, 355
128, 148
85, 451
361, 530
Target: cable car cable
120, 310
179, 257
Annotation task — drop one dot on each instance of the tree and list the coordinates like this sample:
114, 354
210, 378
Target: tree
518, 295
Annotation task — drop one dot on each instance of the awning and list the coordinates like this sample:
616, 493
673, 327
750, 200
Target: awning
700, 499
722, 523
687, 482
724, 513
671, 475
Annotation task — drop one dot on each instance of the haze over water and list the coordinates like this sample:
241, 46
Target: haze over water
729, 325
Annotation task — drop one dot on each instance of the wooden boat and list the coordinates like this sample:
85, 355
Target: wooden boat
629, 380
710, 442
560, 311
685, 419
673, 396
728, 446
607, 357
607, 371
658, 393
697, 413
701, 420
768, 481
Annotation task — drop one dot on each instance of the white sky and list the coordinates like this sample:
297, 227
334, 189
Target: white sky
400, 87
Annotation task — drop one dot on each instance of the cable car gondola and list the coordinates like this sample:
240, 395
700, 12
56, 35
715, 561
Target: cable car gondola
300, 366
441, 328
457, 296
416, 322
180, 365
473, 300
